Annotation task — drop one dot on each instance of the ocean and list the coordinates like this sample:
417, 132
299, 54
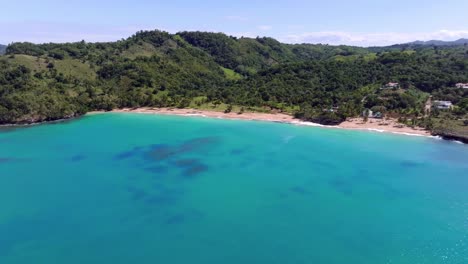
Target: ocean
135, 188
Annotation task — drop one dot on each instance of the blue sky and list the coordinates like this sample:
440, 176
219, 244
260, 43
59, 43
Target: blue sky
357, 22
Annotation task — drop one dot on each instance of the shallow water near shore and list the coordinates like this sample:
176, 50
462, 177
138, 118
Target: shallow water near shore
134, 188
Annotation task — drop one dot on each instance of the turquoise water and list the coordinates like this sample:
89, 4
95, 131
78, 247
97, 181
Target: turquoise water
129, 188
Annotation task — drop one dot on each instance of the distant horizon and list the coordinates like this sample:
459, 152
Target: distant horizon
449, 39
362, 23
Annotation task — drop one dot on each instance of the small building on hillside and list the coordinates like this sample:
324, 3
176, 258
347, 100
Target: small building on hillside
443, 105
462, 85
391, 85
333, 109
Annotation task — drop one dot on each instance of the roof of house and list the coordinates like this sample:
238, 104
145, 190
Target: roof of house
443, 102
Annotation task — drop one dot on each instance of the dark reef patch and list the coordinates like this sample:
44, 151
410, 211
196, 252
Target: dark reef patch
195, 170
185, 163
197, 143
159, 159
161, 152
410, 164
124, 155
136, 193
236, 152
5, 160
128, 154
78, 158
10, 159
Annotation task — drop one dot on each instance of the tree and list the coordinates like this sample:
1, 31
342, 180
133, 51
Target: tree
216, 103
228, 109
184, 103
366, 118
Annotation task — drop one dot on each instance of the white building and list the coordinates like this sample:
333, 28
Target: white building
367, 113
444, 105
462, 85
391, 85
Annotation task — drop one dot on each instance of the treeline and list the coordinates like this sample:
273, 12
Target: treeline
321, 83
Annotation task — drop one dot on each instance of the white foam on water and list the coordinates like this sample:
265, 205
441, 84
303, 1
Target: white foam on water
194, 115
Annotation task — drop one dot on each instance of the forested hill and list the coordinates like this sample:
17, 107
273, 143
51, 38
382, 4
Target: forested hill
2, 49
458, 42
199, 69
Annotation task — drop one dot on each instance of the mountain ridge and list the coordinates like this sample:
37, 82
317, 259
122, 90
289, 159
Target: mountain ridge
432, 42
458, 42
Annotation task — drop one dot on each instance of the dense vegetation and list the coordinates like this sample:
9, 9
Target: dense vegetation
321, 83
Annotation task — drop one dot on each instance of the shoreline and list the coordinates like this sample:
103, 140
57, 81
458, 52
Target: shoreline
29, 124
373, 125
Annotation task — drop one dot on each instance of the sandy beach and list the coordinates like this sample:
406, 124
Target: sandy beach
383, 125
376, 125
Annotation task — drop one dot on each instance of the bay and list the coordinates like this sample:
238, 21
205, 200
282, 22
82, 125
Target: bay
135, 188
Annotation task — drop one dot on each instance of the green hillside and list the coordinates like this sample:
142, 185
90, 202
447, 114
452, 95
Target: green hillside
2, 49
155, 68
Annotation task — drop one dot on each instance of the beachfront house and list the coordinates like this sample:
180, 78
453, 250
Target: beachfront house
443, 105
391, 85
462, 85
367, 113
370, 114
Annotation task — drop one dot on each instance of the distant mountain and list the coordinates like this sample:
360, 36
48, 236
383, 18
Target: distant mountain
2, 49
440, 43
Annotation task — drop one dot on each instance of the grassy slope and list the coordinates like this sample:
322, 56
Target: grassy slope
34, 63
231, 74
143, 50
68, 67
76, 68
447, 126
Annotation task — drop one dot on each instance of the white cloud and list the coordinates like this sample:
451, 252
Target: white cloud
264, 27
40, 32
237, 18
371, 39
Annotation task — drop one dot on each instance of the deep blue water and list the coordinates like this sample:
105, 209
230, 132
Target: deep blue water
129, 188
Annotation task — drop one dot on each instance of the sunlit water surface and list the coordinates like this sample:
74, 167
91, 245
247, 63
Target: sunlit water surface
129, 188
